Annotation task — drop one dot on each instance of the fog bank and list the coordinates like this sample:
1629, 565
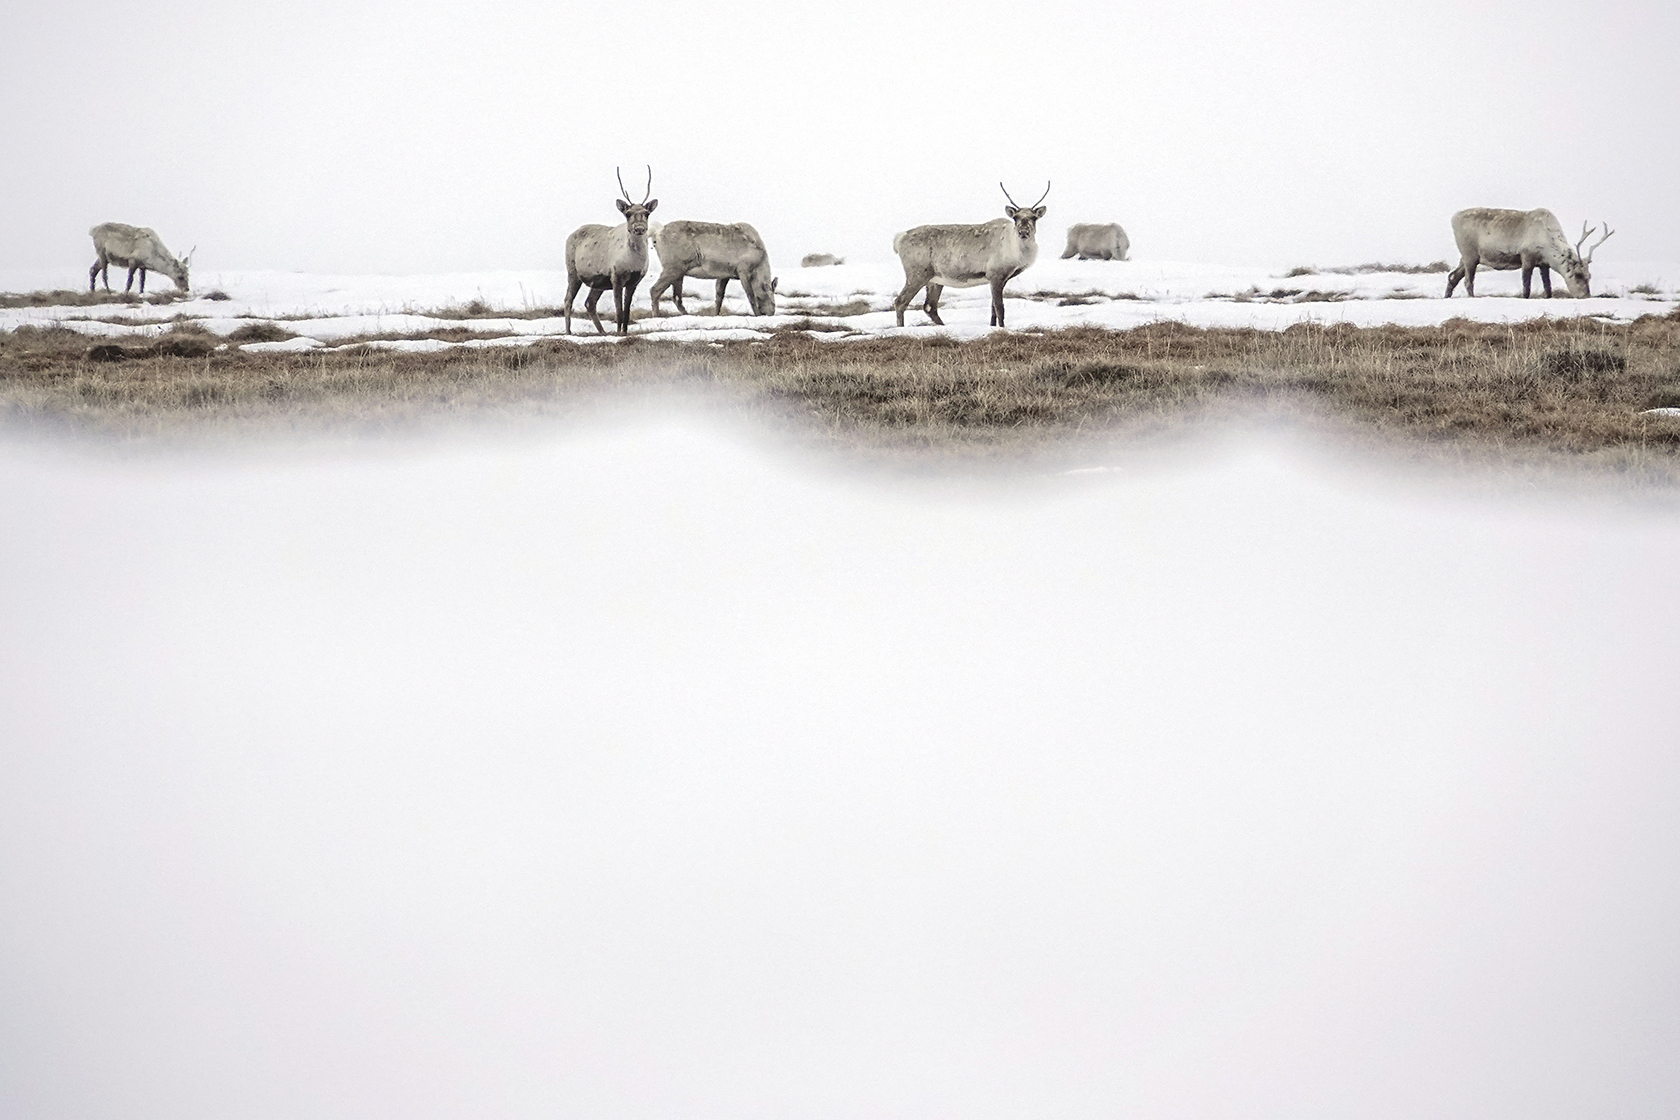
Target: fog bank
641, 773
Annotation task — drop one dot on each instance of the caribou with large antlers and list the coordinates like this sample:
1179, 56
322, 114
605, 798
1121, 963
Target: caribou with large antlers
137, 249
937, 257
610, 257
1525, 239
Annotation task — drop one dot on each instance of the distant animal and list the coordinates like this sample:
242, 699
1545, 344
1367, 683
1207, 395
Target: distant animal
958, 256
710, 251
1091, 242
1525, 239
820, 260
610, 257
136, 249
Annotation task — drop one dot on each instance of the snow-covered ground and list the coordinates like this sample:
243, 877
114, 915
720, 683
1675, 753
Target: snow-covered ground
846, 301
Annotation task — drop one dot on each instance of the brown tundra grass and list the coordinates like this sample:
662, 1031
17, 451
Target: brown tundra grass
1493, 395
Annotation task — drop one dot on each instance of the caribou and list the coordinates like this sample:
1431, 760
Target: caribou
137, 249
610, 257
710, 251
958, 256
1525, 239
820, 260
1092, 242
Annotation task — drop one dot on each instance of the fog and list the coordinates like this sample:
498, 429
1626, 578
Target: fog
432, 137
641, 770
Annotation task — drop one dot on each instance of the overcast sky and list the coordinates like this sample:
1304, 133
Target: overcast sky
426, 136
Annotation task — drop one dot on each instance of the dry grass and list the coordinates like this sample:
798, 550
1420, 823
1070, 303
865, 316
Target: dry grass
1371, 267
66, 298
1494, 395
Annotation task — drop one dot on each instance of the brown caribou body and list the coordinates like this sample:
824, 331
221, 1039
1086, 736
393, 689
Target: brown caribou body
713, 251
937, 257
1097, 242
137, 249
1525, 239
613, 257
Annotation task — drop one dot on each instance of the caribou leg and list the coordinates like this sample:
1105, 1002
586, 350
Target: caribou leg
1470, 278
1528, 278
931, 306
721, 285
997, 300
595, 295
573, 283
912, 285
679, 293
129, 287
1546, 278
1453, 278
628, 287
93, 274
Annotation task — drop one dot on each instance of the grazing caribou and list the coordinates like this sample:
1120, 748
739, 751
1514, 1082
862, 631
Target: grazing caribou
610, 257
820, 260
137, 249
710, 251
1092, 242
1525, 239
937, 257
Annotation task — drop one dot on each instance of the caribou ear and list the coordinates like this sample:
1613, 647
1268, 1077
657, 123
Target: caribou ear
1038, 211
1012, 210
774, 281
623, 206
652, 205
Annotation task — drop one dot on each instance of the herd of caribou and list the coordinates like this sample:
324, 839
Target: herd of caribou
934, 257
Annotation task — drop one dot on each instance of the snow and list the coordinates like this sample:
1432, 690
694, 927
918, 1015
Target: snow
1052, 294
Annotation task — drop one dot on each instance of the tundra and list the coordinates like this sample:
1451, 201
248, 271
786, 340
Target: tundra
937, 257
1092, 242
1525, 239
137, 249
710, 251
610, 257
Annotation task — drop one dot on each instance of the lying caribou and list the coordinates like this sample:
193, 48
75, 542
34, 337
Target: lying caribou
937, 257
710, 251
137, 249
1091, 242
820, 260
1525, 239
610, 257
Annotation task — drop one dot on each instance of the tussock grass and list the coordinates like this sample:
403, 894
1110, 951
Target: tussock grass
1371, 267
1563, 392
68, 298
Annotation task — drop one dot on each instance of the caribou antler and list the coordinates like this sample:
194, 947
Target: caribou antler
1585, 233
626, 193
1017, 205
1590, 248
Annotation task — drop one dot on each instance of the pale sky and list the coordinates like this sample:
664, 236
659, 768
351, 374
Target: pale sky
424, 137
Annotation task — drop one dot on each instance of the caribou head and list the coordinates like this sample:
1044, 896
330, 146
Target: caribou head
636, 213
1025, 217
1578, 272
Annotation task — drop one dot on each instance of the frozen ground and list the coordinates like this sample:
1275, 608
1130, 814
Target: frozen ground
638, 772
847, 301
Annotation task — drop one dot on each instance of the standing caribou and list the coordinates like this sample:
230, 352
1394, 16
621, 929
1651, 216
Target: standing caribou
710, 251
137, 249
937, 257
1507, 239
610, 257
1092, 242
